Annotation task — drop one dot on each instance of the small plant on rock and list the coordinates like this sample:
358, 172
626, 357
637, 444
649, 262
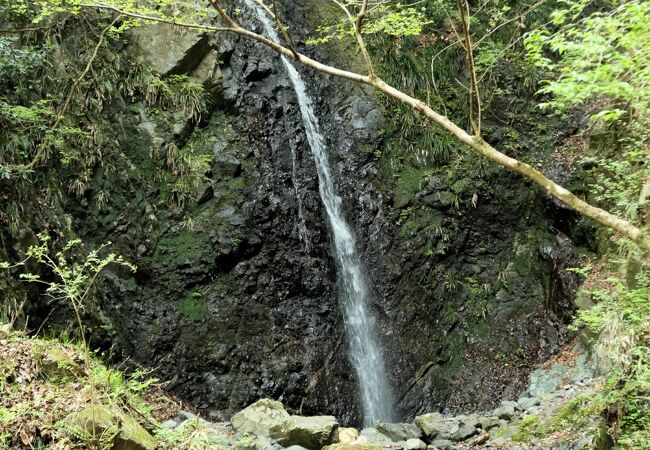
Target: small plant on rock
74, 280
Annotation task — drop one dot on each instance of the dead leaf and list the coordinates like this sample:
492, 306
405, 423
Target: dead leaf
26, 438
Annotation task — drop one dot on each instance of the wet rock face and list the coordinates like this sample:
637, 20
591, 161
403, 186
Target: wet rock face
230, 302
235, 295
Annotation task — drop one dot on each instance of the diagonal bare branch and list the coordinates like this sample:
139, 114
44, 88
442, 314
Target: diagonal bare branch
476, 143
357, 23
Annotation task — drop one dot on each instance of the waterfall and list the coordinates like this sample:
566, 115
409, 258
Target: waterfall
365, 353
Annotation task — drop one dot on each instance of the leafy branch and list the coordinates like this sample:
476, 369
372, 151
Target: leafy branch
75, 279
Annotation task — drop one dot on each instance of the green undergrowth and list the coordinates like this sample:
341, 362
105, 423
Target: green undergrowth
616, 320
621, 318
48, 387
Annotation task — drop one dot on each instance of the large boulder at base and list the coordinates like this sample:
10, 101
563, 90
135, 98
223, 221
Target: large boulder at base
436, 425
310, 432
347, 435
399, 431
373, 436
260, 417
99, 419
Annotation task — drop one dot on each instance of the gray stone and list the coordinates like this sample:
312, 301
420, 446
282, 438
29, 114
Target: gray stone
373, 436
169, 424
258, 70
436, 425
180, 123
511, 403
399, 431
525, 403
543, 383
443, 444
231, 85
505, 411
582, 369
464, 432
535, 410
296, 447
487, 423
260, 417
310, 432
472, 420
169, 50
227, 164
415, 444
207, 72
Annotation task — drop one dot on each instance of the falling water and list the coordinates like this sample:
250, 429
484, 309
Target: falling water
365, 354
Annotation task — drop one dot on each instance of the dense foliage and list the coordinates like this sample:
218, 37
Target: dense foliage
596, 59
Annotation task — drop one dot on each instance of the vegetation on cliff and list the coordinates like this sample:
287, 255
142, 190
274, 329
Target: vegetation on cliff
360, 16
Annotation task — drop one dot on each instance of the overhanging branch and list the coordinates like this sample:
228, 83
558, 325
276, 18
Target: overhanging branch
476, 143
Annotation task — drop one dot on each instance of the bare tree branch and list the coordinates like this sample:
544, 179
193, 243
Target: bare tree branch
476, 143
279, 25
222, 13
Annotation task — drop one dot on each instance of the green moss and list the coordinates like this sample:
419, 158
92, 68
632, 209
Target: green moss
183, 245
408, 183
223, 284
236, 184
194, 307
428, 220
450, 314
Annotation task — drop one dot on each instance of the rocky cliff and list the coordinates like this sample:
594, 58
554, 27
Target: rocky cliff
235, 296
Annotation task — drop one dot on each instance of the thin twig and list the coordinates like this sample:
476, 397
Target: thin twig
474, 95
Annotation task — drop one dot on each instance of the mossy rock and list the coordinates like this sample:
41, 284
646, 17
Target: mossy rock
105, 421
55, 363
194, 307
6, 330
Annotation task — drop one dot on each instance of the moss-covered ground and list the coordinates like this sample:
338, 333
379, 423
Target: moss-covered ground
50, 391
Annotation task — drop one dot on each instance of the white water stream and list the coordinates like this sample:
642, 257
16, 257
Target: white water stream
365, 354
